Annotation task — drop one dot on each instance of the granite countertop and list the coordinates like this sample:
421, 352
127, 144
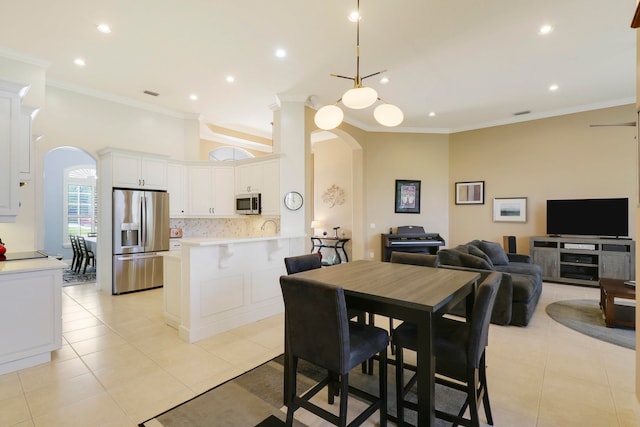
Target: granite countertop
7, 267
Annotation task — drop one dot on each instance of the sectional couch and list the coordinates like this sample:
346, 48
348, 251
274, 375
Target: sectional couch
521, 283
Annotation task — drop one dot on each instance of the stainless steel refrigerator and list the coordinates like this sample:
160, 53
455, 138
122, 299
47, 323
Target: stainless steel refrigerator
140, 231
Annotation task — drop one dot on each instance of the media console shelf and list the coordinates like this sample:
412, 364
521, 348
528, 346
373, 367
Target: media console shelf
583, 261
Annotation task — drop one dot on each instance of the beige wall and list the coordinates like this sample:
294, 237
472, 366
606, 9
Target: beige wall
391, 156
333, 171
559, 157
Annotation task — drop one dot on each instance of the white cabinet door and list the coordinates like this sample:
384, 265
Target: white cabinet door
176, 187
224, 194
10, 115
126, 170
261, 177
211, 191
200, 194
136, 171
153, 173
271, 188
26, 143
249, 178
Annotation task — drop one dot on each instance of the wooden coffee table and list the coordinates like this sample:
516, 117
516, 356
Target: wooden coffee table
609, 290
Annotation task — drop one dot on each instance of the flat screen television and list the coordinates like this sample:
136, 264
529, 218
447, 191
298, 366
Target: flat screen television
588, 217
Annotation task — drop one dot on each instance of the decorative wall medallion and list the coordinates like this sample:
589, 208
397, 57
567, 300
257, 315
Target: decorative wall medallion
333, 196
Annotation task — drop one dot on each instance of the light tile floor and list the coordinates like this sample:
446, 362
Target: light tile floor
120, 365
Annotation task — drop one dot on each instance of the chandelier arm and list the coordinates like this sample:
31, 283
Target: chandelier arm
374, 74
342, 77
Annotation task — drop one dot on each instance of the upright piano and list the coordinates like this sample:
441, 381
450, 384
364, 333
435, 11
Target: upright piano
410, 238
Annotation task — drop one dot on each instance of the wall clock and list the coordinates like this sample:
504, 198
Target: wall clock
293, 200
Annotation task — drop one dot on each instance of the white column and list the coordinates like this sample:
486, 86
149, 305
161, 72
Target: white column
291, 139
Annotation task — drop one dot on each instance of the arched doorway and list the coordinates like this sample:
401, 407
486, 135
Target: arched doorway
338, 191
69, 198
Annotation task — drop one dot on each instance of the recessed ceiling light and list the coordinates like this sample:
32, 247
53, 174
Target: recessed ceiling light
79, 62
354, 16
281, 53
230, 79
432, 114
553, 88
104, 28
545, 29
193, 97
384, 80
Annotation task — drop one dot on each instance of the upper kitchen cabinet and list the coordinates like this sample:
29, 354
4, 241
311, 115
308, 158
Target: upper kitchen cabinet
262, 176
210, 191
177, 189
26, 143
11, 94
130, 169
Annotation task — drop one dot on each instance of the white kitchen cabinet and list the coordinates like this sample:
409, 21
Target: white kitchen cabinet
11, 94
26, 143
210, 191
138, 170
177, 189
261, 177
31, 312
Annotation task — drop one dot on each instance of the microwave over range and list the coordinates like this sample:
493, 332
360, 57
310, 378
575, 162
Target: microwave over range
249, 204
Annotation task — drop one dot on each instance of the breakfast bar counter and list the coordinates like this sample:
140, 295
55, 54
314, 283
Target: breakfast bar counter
212, 285
31, 310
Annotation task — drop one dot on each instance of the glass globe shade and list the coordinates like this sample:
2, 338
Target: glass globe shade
328, 117
359, 97
388, 115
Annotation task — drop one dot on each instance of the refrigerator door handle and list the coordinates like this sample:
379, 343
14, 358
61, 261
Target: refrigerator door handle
143, 221
136, 256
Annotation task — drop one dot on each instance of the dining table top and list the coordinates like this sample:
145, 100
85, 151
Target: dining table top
416, 287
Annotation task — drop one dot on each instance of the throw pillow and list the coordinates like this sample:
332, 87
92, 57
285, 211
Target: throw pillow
449, 257
495, 251
473, 250
462, 249
473, 261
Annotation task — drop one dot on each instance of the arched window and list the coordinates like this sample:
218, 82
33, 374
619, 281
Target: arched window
226, 154
81, 200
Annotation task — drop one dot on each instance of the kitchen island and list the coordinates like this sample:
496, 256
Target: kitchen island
212, 285
30, 312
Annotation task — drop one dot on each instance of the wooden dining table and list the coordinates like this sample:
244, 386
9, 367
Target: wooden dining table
406, 292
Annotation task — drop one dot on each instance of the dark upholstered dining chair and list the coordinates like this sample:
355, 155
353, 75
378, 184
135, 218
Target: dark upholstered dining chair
459, 348
75, 261
420, 259
87, 255
296, 264
318, 330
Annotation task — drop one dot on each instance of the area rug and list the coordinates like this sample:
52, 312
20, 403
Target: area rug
70, 277
255, 399
585, 316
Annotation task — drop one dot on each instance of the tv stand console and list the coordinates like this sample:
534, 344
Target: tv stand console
583, 261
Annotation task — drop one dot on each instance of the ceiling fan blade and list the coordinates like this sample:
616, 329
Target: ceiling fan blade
614, 124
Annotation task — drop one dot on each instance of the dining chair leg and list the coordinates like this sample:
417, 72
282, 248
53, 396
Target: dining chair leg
485, 397
399, 387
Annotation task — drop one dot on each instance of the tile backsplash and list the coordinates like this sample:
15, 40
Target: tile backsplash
226, 227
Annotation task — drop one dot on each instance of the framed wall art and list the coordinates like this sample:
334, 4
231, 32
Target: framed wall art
407, 196
510, 210
470, 193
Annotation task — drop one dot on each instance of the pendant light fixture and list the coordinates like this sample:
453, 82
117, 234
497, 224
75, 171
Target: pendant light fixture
359, 97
